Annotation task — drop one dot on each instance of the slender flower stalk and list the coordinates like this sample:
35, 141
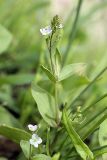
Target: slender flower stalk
53, 71
30, 150
56, 102
53, 35
50, 52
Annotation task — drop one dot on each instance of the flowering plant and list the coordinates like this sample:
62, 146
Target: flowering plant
55, 109
66, 119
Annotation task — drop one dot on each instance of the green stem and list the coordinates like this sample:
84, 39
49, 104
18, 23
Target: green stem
30, 152
56, 83
73, 31
56, 103
47, 143
50, 52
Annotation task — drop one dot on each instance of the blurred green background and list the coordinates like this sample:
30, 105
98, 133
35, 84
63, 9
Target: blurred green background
23, 49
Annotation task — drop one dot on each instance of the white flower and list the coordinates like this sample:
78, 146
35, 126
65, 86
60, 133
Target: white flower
32, 127
35, 140
45, 31
60, 26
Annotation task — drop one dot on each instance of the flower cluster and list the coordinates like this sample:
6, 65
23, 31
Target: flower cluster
48, 30
55, 24
35, 139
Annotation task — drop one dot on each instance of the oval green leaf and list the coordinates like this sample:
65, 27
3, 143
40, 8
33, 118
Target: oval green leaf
45, 103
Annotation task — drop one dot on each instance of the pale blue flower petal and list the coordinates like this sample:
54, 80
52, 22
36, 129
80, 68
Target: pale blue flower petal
46, 31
